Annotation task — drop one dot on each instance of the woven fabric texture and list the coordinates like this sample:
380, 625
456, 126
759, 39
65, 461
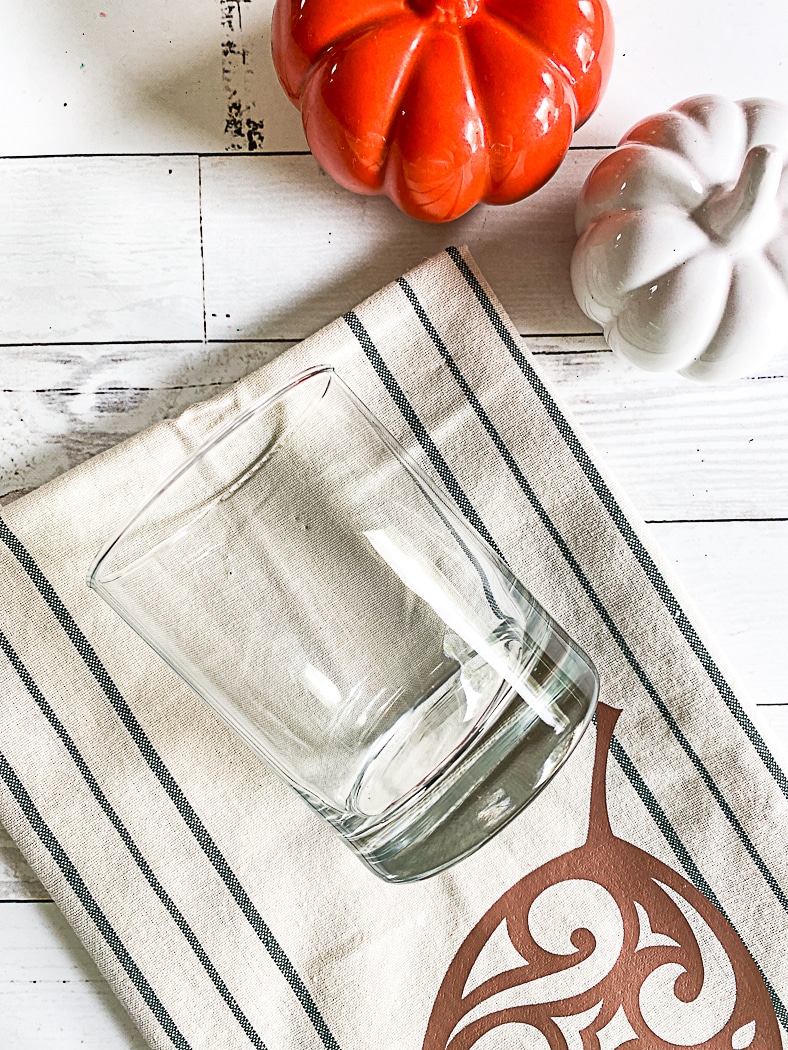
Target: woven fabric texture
641, 900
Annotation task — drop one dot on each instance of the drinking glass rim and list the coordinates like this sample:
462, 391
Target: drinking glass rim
261, 403
438, 498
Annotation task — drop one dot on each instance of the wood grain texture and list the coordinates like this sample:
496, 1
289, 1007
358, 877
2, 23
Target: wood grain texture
17, 881
681, 451
736, 573
52, 996
99, 249
287, 250
108, 249
140, 78
692, 47
775, 718
60, 406
112, 77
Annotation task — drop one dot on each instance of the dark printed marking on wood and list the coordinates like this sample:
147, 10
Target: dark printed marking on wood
242, 127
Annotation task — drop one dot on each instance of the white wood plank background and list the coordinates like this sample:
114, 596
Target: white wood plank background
156, 244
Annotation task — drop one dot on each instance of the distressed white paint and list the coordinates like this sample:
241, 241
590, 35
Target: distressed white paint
52, 997
721, 566
311, 249
680, 452
59, 405
99, 249
111, 77
692, 47
17, 881
145, 77
108, 249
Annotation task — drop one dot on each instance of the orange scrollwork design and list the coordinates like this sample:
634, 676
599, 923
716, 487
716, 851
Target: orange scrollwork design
605, 946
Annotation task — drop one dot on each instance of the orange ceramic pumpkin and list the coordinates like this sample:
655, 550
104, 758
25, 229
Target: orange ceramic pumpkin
442, 103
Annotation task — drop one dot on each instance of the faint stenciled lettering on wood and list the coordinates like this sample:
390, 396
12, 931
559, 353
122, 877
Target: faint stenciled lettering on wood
243, 127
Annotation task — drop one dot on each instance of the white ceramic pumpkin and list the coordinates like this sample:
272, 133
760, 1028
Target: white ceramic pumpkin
683, 249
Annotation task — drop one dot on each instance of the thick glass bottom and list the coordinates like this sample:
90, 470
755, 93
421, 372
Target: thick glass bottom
473, 798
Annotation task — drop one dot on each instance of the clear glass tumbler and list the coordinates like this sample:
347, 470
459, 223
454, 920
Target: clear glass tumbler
311, 583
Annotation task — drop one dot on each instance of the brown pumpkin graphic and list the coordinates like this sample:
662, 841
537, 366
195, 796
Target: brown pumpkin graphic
657, 966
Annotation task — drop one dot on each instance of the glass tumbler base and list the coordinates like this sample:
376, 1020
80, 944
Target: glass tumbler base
474, 799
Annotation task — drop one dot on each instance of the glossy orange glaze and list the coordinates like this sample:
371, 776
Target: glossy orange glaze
442, 103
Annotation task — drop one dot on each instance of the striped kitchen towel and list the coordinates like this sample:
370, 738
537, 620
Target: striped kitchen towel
642, 900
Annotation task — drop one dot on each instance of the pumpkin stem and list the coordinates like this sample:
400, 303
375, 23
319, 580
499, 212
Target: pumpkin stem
745, 212
458, 11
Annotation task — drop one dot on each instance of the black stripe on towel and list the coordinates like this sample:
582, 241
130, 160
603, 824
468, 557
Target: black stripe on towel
83, 894
419, 430
125, 837
596, 601
660, 819
624, 527
168, 782
623, 759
